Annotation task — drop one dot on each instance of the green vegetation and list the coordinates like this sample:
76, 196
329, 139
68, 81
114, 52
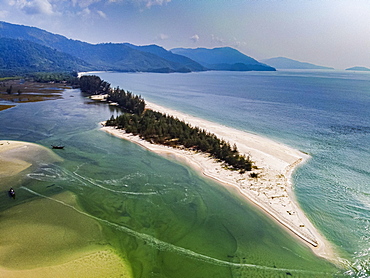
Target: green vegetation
93, 85
159, 128
162, 129
127, 101
57, 77
10, 78
19, 57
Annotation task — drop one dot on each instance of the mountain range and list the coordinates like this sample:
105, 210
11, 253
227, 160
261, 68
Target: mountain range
286, 63
123, 57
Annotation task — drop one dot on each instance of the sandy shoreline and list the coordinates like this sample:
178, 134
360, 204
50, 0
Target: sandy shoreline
271, 191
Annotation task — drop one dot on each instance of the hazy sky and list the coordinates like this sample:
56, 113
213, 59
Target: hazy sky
332, 33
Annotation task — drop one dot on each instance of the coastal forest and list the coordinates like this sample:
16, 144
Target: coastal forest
158, 128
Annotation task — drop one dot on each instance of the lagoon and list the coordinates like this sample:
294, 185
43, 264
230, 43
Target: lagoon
161, 217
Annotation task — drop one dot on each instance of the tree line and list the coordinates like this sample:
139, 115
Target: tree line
127, 101
160, 128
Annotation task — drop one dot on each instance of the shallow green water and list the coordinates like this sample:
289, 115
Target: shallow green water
160, 215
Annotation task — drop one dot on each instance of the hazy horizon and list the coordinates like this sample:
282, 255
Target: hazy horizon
329, 33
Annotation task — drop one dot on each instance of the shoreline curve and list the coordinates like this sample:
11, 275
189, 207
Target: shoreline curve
271, 191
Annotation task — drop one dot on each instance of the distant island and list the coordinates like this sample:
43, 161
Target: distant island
359, 69
286, 63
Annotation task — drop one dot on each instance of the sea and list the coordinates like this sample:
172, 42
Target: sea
167, 220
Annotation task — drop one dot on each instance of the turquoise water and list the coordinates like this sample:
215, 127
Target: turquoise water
323, 113
164, 218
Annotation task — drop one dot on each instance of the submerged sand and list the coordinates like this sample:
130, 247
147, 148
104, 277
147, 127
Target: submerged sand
271, 191
97, 264
55, 242
50, 237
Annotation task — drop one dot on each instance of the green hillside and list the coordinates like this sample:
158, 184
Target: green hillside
19, 57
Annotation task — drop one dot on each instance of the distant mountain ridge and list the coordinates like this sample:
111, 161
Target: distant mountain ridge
127, 57
105, 56
168, 55
286, 63
222, 58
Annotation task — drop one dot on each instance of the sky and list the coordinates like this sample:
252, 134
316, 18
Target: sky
334, 33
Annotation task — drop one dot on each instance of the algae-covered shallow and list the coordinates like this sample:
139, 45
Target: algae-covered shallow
160, 218
49, 237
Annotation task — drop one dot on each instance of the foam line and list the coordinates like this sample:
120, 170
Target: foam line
164, 246
109, 189
59, 173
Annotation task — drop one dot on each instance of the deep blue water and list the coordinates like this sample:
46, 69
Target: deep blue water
323, 113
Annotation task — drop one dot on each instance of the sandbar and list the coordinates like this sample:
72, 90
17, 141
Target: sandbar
17, 156
48, 237
271, 191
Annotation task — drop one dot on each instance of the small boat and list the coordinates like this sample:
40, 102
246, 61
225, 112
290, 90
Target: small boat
57, 147
12, 193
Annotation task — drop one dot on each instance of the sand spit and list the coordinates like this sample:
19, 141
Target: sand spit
271, 191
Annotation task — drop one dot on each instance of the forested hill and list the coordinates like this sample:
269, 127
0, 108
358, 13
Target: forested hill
126, 57
18, 57
107, 56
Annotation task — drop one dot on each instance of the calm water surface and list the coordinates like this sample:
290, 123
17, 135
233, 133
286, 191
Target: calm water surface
164, 218
323, 113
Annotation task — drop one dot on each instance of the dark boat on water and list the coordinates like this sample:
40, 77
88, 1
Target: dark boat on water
12, 193
57, 147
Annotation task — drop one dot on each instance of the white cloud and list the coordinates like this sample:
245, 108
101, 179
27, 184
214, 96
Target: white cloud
102, 14
217, 39
3, 14
85, 12
84, 3
237, 43
150, 3
33, 6
195, 38
146, 3
163, 37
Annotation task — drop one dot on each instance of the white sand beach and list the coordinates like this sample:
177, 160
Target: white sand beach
271, 191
